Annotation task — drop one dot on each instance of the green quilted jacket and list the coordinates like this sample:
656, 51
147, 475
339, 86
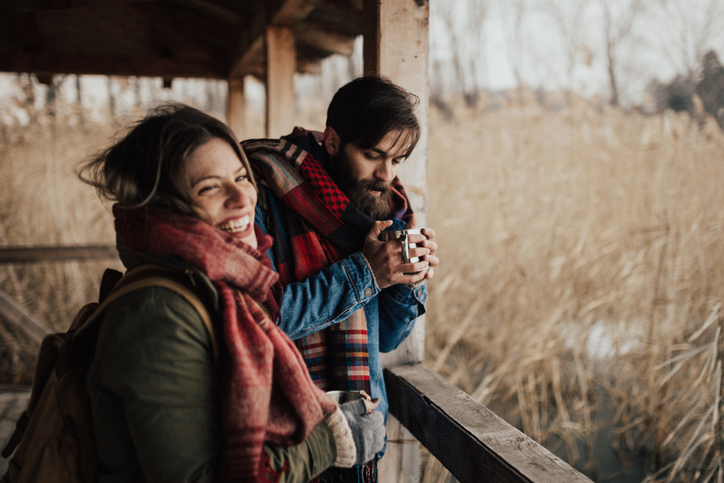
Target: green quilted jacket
155, 401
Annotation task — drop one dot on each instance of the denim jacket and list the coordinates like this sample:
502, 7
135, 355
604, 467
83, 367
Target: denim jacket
340, 289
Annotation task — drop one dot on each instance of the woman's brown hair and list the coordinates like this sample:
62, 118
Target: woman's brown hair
146, 165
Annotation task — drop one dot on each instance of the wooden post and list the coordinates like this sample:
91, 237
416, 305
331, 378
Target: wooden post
281, 65
396, 46
236, 108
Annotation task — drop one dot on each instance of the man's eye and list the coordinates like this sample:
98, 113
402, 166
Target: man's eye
398, 160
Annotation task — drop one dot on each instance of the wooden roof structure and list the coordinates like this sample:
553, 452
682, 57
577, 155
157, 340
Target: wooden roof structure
219, 39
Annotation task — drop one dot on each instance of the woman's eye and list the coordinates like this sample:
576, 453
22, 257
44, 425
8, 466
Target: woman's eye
242, 178
205, 190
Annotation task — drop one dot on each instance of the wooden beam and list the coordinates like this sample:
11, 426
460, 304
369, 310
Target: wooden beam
248, 56
17, 316
56, 254
249, 53
236, 109
280, 69
45, 5
289, 12
324, 39
49, 64
471, 441
396, 46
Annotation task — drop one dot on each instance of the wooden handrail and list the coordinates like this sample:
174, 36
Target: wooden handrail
471, 441
16, 315
56, 253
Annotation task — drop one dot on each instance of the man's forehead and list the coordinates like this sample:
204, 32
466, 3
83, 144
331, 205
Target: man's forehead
395, 143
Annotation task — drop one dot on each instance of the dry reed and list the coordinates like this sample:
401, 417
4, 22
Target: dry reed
580, 249
581, 267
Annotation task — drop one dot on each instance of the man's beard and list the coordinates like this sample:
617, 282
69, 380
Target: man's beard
358, 191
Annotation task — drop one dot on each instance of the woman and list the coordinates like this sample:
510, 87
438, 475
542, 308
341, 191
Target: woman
163, 409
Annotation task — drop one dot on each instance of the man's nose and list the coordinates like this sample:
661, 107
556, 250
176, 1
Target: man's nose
384, 172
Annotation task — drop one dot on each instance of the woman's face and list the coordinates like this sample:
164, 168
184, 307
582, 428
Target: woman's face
220, 188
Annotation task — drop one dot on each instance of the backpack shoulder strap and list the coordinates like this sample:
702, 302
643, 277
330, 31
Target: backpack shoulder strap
158, 276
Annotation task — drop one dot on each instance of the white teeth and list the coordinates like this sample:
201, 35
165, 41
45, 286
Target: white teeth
235, 226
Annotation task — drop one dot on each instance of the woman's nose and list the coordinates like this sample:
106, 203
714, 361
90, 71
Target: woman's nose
234, 195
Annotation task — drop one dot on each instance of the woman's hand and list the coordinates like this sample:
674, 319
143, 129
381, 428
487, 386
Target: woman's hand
368, 429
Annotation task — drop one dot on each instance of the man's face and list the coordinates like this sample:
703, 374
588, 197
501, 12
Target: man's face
365, 175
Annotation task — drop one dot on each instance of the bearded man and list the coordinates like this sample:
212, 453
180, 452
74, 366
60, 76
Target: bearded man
325, 198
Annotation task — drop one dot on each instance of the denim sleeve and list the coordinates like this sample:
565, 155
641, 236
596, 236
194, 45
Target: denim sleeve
326, 298
399, 306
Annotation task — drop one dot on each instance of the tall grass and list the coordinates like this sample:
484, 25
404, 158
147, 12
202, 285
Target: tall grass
581, 249
581, 267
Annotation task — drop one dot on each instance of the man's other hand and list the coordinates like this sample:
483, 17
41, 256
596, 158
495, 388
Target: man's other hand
385, 258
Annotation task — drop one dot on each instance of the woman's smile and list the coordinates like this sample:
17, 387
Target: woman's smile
236, 225
221, 189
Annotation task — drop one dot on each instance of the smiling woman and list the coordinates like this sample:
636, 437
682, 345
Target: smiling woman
221, 188
164, 407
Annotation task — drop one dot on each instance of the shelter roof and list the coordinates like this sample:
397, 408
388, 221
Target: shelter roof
168, 38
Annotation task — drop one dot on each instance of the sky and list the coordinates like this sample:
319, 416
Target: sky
666, 37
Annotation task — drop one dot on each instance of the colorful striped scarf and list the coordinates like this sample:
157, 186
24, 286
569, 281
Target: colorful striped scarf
314, 225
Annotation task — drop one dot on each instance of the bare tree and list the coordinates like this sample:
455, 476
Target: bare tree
52, 93
619, 18
514, 15
569, 19
687, 30
463, 23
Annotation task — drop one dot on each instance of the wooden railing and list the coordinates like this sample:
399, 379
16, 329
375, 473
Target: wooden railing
473, 443
56, 254
14, 313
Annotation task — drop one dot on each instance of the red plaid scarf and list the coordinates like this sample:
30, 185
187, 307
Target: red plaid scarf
314, 226
259, 355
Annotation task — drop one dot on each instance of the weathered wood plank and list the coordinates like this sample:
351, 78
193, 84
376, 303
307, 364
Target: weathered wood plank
395, 45
17, 316
56, 254
50, 63
45, 5
471, 441
248, 56
320, 37
281, 65
236, 106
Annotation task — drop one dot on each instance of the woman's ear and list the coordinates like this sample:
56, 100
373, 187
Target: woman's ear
331, 141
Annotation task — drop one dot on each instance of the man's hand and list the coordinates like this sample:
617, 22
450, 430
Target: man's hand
385, 258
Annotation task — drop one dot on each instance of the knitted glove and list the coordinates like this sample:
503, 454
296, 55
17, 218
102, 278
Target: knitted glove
346, 450
368, 430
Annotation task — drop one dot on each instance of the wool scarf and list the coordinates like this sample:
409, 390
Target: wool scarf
266, 392
314, 226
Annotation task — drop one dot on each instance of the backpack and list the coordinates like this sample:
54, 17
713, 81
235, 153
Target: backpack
54, 436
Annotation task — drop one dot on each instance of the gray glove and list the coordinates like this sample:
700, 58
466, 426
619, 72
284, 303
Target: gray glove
368, 430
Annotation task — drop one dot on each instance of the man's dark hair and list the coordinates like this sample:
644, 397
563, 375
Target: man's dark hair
366, 109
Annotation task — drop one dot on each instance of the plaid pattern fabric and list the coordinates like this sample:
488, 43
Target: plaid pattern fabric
314, 225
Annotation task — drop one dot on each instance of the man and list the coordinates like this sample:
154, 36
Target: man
325, 198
